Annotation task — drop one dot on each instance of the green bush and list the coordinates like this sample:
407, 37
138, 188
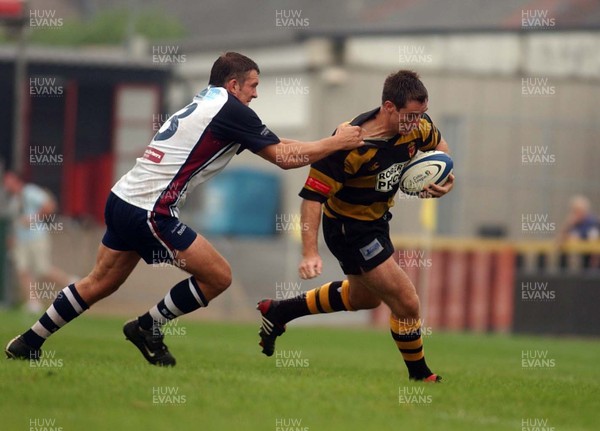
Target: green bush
109, 28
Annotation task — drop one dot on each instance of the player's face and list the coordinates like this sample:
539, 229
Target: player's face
246, 91
409, 117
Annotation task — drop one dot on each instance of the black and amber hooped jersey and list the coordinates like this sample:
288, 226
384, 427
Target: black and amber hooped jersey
361, 183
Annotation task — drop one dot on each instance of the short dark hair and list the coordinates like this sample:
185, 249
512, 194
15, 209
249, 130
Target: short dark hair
229, 66
402, 87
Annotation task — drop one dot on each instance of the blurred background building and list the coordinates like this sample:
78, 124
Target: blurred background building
514, 88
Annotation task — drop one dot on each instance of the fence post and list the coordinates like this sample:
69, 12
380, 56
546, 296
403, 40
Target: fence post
457, 294
481, 285
503, 291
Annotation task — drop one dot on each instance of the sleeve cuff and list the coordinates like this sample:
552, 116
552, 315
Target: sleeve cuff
312, 196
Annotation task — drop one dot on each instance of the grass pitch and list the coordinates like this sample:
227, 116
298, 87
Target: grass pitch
324, 379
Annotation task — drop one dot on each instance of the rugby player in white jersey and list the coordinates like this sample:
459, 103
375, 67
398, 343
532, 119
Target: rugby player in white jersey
142, 209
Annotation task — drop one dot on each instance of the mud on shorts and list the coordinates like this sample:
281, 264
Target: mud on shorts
155, 237
359, 246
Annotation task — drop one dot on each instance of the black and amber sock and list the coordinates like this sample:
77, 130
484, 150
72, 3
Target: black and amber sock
407, 335
329, 298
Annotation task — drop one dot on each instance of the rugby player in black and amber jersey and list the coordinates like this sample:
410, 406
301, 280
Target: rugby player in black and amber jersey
355, 190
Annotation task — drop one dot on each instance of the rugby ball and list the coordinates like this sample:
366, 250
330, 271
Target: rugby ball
430, 167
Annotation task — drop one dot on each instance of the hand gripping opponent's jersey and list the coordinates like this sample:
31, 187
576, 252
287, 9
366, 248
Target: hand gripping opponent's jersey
194, 144
361, 183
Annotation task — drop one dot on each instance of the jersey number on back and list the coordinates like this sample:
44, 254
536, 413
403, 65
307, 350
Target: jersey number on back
170, 127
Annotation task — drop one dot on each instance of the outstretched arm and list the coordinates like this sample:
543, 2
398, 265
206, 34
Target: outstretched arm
290, 154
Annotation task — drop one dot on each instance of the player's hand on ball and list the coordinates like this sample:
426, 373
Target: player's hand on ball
310, 267
436, 191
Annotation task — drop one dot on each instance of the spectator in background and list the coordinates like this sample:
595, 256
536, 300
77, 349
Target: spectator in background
31, 209
581, 225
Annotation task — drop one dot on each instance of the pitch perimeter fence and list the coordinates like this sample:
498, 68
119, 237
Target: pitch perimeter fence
486, 285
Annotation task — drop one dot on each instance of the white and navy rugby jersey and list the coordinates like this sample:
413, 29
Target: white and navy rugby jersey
194, 144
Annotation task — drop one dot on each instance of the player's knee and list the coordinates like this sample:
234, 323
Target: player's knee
365, 303
411, 307
223, 279
375, 302
363, 299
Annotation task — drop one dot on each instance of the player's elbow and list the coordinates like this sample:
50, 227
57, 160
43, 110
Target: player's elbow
285, 166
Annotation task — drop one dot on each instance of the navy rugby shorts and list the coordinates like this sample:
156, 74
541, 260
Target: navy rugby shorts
155, 237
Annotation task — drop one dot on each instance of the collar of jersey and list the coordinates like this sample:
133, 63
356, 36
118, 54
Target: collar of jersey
375, 142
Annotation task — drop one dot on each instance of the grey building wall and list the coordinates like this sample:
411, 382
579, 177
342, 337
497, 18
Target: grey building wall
520, 112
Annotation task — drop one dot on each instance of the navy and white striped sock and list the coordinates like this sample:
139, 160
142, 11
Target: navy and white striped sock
183, 298
66, 307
